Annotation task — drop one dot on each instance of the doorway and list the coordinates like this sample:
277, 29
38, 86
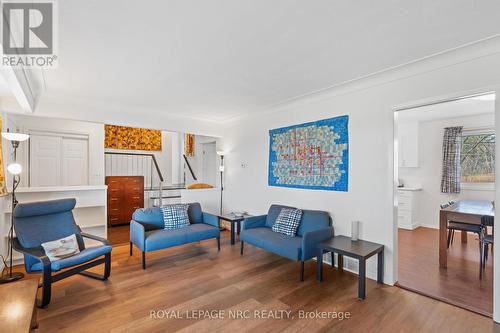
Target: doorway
420, 166
209, 163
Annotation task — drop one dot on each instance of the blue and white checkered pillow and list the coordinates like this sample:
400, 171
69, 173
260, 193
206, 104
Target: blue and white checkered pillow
288, 221
175, 216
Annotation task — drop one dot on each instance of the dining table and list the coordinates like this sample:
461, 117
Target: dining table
465, 211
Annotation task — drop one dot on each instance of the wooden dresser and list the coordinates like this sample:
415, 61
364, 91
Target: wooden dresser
125, 195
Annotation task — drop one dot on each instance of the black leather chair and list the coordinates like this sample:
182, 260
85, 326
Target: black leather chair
460, 226
484, 241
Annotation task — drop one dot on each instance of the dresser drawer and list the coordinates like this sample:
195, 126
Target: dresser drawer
114, 210
405, 194
112, 220
405, 203
125, 195
404, 220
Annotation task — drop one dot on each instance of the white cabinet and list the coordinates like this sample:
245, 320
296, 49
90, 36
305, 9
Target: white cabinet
408, 144
407, 208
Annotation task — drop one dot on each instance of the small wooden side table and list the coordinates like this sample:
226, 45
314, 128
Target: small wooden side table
18, 306
235, 223
360, 249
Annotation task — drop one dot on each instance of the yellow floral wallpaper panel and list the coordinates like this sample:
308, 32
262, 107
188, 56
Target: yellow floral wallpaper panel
131, 138
189, 145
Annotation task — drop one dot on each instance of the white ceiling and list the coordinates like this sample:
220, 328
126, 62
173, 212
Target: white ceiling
448, 110
219, 59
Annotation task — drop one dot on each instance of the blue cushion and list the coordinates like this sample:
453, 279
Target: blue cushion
39, 222
265, 238
313, 220
200, 231
44, 207
161, 239
273, 213
86, 255
195, 213
151, 218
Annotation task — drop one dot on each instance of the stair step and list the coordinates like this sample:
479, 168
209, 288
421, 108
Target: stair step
166, 197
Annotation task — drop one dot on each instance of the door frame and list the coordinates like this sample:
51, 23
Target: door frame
395, 174
203, 175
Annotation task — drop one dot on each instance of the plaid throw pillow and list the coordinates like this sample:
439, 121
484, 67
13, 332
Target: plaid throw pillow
288, 221
175, 216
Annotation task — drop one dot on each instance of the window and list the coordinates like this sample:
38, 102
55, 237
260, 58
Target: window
478, 158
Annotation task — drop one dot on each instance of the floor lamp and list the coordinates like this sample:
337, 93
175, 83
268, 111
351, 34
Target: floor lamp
15, 170
221, 170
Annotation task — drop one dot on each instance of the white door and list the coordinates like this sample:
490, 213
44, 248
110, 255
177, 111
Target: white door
209, 171
74, 162
57, 160
45, 160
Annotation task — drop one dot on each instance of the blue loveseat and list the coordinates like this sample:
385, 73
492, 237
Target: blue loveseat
315, 227
148, 234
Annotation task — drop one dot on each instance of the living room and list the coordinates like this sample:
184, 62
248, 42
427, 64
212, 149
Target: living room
301, 110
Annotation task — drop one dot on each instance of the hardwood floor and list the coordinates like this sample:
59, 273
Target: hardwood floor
197, 277
119, 235
459, 284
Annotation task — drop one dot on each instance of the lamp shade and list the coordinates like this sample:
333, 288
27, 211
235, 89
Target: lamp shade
11, 136
14, 168
220, 152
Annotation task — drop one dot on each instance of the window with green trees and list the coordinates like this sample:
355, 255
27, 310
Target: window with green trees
478, 158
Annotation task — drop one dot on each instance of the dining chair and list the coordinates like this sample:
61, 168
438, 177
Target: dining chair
485, 240
459, 226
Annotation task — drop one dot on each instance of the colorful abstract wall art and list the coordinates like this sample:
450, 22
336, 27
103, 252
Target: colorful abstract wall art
313, 155
131, 138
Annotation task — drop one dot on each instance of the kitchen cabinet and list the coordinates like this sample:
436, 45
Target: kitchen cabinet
408, 145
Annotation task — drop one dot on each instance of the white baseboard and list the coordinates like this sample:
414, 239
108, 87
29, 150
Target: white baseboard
432, 226
351, 266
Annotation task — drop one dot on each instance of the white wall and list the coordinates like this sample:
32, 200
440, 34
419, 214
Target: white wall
29, 124
209, 198
370, 104
428, 174
177, 159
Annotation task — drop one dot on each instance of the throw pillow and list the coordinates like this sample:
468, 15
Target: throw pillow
288, 221
175, 216
61, 248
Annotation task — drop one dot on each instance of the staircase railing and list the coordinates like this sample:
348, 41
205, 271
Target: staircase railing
154, 165
189, 167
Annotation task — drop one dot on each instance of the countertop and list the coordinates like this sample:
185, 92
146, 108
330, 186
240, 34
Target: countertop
409, 188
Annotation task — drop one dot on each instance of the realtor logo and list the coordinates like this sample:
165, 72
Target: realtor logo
28, 30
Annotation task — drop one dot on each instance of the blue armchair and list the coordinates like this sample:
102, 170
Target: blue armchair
315, 227
147, 230
39, 222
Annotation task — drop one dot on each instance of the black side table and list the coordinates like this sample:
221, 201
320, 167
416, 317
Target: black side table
234, 220
361, 250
